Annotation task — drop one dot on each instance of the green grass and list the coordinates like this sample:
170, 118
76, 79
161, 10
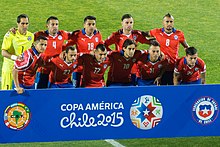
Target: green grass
199, 20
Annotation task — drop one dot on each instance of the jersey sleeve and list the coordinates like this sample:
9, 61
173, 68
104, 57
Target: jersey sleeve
112, 39
202, 65
153, 32
181, 37
7, 41
141, 38
22, 65
178, 67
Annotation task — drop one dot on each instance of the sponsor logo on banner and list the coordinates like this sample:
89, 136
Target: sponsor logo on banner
17, 116
100, 114
146, 112
205, 110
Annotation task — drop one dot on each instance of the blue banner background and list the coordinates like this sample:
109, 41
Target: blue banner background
46, 113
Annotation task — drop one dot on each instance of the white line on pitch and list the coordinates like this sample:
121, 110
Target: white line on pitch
114, 143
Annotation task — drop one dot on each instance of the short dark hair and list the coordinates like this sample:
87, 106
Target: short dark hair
154, 43
70, 48
21, 16
101, 47
128, 42
126, 16
191, 51
41, 38
168, 15
90, 18
51, 18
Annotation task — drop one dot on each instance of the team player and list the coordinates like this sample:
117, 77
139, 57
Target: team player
124, 33
25, 70
86, 41
56, 39
117, 38
61, 69
13, 45
151, 66
169, 39
122, 62
94, 67
190, 69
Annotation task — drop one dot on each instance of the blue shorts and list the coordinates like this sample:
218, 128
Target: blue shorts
193, 82
141, 82
66, 85
25, 87
167, 78
110, 84
42, 80
76, 78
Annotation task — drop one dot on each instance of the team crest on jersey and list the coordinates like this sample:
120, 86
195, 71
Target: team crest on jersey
196, 69
17, 116
105, 65
146, 112
60, 37
205, 110
160, 66
135, 37
175, 37
74, 66
96, 39
29, 38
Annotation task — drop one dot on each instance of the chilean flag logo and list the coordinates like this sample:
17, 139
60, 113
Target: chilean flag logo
205, 110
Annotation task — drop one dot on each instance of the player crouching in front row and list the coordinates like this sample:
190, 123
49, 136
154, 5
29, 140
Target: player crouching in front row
190, 69
25, 70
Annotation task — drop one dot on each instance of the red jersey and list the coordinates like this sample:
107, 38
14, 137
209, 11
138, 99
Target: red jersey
120, 70
61, 71
148, 70
93, 72
189, 74
54, 45
28, 66
169, 44
118, 39
83, 42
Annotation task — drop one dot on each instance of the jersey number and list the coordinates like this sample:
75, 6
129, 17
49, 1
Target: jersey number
90, 46
96, 71
66, 72
167, 42
54, 44
126, 66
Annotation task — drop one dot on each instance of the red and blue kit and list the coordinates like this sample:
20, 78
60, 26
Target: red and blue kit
118, 39
120, 71
187, 73
148, 70
93, 71
54, 44
61, 71
83, 42
28, 66
169, 44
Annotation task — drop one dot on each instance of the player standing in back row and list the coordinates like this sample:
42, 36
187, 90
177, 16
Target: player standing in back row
86, 41
169, 39
55, 43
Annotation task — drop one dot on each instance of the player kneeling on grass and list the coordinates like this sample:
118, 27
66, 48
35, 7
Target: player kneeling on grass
25, 70
151, 66
62, 68
122, 62
94, 67
190, 69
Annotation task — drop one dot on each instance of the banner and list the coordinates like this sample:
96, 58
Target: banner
109, 113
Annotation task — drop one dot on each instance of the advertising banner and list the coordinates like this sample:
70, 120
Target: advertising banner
109, 113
